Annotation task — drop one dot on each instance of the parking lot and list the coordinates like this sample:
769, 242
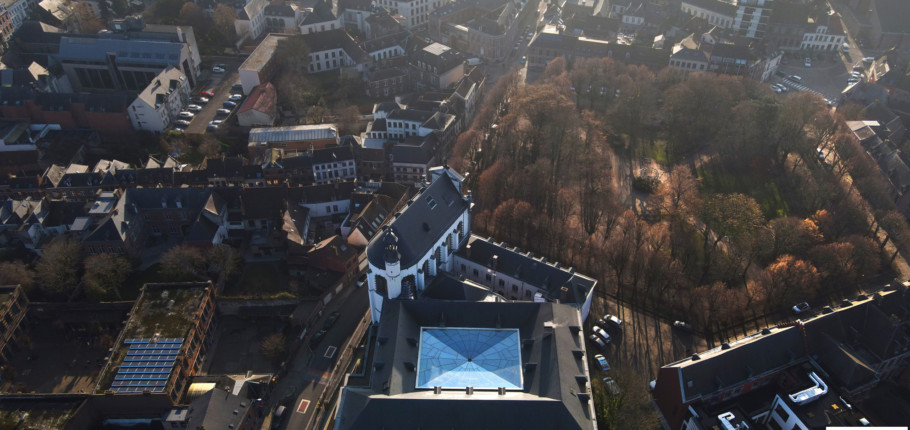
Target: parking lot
219, 84
644, 343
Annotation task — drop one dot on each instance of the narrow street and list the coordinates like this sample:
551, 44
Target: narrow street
309, 373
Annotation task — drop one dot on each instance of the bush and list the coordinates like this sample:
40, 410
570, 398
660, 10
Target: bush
645, 184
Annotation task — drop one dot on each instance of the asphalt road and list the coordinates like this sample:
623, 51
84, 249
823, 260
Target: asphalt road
218, 83
308, 375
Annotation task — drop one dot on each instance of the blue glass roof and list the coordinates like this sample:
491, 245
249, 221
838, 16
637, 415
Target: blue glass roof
468, 357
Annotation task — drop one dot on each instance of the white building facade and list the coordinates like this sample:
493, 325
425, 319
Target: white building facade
158, 104
405, 257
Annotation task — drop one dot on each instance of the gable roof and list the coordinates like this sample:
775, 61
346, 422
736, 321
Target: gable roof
262, 99
427, 217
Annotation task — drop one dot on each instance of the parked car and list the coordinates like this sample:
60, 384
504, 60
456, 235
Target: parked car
868, 60
603, 334
845, 47
214, 124
200, 100
795, 78
182, 123
229, 104
682, 325
362, 280
331, 320
221, 65
317, 337
808, 62
611, 321
598, 341
237, 88
217, 69
801, 307
612, 386
524, 58
235, 97
207, 94
602, 362
223, 111
194, 108
776, 88
859, 67
186, 115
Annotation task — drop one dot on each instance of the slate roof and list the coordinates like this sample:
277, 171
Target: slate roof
717, 6
549, 397
847, 343
320, 193
448, 287
535, 271
335, 39
892, 15
332, 154
263, 202
415, 150
217, 409
161, 85
373, 215
428, 216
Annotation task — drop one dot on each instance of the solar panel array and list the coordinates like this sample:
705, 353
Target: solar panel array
147, 365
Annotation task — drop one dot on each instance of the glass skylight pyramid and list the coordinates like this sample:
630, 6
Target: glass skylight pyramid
456, 358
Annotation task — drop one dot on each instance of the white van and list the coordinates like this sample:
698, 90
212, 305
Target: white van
845, 47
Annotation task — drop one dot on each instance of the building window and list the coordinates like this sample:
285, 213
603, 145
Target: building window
488, 277
514, 288
476, 274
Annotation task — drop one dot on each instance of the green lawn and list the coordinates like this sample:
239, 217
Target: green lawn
716, 179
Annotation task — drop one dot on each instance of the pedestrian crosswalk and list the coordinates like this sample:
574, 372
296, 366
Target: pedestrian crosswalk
798, 86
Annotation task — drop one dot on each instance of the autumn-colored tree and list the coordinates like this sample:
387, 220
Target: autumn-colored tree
223, 16
793, 235
16, 273
293, 55
348, 120
85, 20
104, 274
58, 270
788, 280
678, 195
192, 15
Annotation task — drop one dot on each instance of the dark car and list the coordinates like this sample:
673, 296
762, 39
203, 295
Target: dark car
331, 320
317, 337
229, 104
237, 88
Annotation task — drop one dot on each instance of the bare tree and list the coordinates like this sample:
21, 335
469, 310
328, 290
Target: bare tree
104, 274
58, 269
